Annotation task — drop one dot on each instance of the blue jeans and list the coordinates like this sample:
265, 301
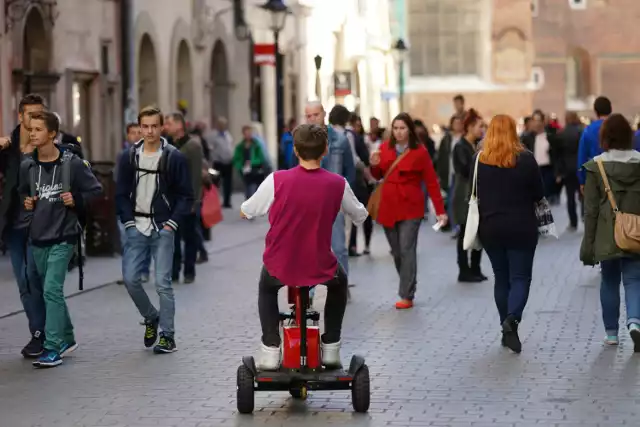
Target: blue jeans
188, 234
123, 241
452, 224
614, 271
513, 269
201, 248
250, 185
27, 277
160, 245
339, 242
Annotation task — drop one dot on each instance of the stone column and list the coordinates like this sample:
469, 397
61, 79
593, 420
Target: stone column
5, 80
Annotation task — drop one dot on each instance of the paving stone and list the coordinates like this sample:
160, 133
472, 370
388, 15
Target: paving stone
440, 364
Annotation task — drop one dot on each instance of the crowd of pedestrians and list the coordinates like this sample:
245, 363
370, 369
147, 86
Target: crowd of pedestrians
489, 185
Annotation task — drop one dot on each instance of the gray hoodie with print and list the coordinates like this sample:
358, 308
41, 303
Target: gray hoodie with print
51, 221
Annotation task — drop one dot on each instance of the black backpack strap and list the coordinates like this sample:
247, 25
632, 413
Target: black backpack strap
66, 171
33, 179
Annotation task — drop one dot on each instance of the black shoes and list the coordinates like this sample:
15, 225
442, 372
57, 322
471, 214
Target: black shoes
34, 348
471, 275
510, 336
166, 345
150, 332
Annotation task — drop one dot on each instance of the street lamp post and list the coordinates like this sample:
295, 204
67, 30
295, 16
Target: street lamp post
318, 62
400, 49
278, 11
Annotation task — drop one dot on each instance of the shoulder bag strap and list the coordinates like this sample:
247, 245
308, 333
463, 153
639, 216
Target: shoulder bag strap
607, 188
474, 185
395, 163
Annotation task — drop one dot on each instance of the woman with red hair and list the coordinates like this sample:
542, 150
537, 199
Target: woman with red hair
508, 187
463, 154
401, 208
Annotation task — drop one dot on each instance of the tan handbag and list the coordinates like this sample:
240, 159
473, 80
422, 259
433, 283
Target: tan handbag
374, 200
627, 226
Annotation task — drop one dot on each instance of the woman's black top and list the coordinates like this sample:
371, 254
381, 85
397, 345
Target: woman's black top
463, 161
506, 201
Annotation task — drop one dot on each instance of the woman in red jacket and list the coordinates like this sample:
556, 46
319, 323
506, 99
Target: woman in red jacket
402, 201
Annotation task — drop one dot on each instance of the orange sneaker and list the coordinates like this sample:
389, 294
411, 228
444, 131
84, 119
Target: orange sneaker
404, 304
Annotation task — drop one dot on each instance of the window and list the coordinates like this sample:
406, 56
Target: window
444, 37
362, 7
105, 58
578, 4
534, 8
537, 77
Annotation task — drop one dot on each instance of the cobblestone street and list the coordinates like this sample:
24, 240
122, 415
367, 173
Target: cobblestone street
440, 364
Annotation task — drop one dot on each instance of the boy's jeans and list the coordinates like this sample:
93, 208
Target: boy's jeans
27, 277
161, 246
626, 270
123, 241
339, 242
52, 262
334, 308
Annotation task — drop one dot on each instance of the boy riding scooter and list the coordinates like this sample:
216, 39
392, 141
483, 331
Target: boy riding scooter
302, 204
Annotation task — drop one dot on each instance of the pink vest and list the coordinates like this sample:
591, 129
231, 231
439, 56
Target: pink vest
298, 244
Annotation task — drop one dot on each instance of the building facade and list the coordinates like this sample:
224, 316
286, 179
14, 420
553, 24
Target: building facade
483, 49
187, 55
349, 40
586, 48
66, 51
83, 55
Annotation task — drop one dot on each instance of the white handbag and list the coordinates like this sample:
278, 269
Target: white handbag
471, 240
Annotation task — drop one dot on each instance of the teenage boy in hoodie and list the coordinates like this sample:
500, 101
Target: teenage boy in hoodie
153, 196
13, 228
52, 184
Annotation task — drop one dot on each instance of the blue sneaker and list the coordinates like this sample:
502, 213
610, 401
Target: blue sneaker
68, 348
49, 359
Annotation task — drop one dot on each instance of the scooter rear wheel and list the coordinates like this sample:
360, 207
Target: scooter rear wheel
245, 390
361, 390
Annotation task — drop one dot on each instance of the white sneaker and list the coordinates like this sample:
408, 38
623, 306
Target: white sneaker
268, 358
331, 355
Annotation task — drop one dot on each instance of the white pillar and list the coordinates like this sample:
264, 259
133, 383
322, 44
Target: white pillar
305, 65
269, 114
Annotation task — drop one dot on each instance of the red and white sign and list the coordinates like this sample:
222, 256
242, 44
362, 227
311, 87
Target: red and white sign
264, 54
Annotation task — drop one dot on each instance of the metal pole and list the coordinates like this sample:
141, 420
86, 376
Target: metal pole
279, 96
401, 85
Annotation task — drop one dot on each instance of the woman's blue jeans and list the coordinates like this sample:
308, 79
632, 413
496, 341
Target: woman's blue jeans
627, 271
513, 269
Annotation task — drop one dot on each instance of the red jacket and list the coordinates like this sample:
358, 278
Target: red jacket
402, 196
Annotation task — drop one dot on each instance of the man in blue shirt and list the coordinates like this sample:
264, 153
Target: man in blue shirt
590, 140
339, 160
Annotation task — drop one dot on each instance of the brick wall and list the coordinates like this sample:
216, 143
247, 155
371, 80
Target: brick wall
432, 107
605, 35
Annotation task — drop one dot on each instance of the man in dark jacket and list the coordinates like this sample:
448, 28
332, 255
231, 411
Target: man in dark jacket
541, 141
15, 232
153, 196
567, 143
191, 147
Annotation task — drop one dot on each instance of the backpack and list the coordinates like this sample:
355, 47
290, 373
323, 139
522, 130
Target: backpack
163, 165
